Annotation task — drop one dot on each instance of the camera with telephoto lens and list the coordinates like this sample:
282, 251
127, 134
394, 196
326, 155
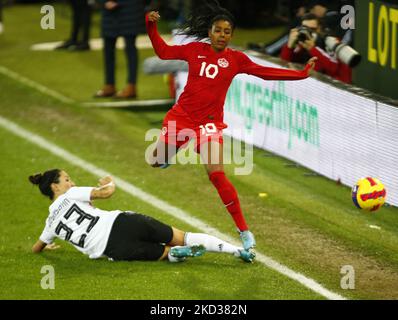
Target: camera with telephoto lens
304, 33
344, 52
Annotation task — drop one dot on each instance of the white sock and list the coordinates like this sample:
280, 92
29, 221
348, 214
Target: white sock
1, 27
211, 243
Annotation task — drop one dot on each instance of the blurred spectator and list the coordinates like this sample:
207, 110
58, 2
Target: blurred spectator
121, 18
297, 10
306, 41
175, 10
329, 14
81, 20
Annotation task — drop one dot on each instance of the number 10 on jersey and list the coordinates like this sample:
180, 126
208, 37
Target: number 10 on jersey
210, 70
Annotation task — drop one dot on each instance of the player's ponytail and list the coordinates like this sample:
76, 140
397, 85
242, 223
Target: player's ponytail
35, 179
200, 22
45, 180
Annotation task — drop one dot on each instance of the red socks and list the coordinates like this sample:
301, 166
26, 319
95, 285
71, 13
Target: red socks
229, 197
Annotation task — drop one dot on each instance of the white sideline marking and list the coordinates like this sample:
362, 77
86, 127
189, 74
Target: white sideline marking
132, 103
142, 42
43, 89
114, 104
162, 205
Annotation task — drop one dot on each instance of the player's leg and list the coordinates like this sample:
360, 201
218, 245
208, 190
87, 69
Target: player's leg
162, 154
126, 240
139, 237
176, 249
165, 254
178, 238
175, 135
168, 144
212, 155
183, 239
150, 235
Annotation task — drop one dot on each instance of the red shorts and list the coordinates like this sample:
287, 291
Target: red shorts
178, 129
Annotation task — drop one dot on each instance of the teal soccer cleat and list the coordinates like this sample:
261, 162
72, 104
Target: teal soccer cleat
247, 255
187, 251
165, 165
247, 239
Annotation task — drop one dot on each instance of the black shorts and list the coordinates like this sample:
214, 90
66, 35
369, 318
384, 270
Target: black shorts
137, 237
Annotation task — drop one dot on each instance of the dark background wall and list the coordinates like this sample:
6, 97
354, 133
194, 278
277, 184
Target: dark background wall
378, 45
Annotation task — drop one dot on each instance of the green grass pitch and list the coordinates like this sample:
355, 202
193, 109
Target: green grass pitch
306, 223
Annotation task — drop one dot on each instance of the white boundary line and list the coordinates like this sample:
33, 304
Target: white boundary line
60, 97
162, 205
130, 103
39, 87
142, 42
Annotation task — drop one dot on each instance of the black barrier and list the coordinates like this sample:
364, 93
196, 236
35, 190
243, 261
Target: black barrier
377, 41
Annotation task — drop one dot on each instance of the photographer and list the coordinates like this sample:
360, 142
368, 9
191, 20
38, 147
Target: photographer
307, 41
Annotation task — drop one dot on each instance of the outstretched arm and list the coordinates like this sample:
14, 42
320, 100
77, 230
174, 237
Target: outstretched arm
105, 189
162, 49
39, 246
267, 73
329, 65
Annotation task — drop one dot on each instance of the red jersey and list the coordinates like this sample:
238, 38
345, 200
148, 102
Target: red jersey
211, 73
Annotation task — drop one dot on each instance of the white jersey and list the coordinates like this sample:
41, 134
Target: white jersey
74, 219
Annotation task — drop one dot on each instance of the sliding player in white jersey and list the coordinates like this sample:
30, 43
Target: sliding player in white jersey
116, 235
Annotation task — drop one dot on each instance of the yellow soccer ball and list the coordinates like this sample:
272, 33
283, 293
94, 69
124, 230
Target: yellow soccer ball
369, 194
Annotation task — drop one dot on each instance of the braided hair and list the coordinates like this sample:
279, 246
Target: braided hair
201, 21
45, 180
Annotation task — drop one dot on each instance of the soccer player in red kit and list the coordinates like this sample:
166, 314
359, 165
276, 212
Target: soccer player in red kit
198, 113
